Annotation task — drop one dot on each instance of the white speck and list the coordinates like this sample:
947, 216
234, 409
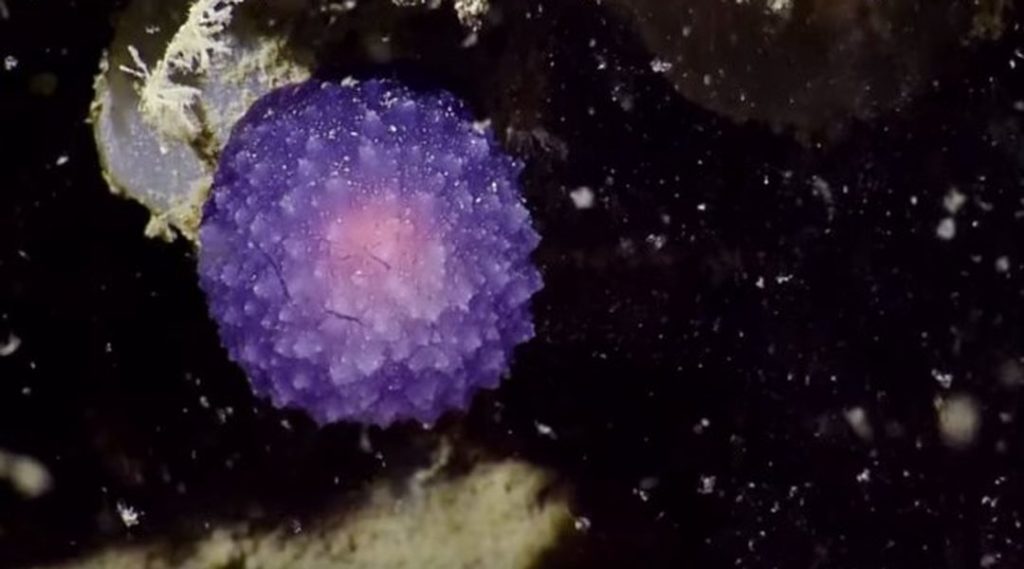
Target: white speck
945, 379
706, 486
759, 283
701, 425
10, 346
129, 515
779, 7
1003, 264
10, 62
707, 80
481, 127
946, 229
953, 201
660, 66
857, 418
702, 207
349, 81
62, 160
783, 279
657, 242
989, 560
582, 197
544, 430
581, 523
959, 420
864, 476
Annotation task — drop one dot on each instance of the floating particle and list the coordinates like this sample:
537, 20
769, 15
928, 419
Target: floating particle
10, 346
29, 477
365, 252
857, 418
946, 229
959, 420
10, 63
129, 515
582, 197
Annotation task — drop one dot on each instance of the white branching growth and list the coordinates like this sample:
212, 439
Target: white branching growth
164, 102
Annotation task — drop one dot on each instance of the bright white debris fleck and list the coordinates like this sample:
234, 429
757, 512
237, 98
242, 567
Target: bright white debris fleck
946, 229
544, 430
857, 418
660, 66
953, 201
10, 62
945, 379
864, 476
780, 7
706, 486
10, 346
783, 279
701, 426
959, 420
129, 515
582, 197
28, 476
581, 523
1003, 264
62, 160
759, 283
657, 241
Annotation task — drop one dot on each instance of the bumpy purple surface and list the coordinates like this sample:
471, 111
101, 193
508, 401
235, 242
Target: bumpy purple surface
365, 252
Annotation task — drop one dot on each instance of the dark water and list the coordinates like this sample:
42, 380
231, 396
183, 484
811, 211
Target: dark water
703, 330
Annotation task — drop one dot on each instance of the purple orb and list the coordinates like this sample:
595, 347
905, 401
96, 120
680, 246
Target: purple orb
365, 252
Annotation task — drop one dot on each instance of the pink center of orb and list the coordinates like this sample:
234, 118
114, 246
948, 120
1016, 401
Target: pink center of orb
385, 259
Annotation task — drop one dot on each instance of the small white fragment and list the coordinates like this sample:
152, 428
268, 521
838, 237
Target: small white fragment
857, 418
10, 346
545, 430
864, 476
581, 523
959, 420
701, 426
780, 7
660, 66
10, 62
707, 485
946, 229
1003, 264
953, 201
129, 515
582, 197
62, 159
945, 379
